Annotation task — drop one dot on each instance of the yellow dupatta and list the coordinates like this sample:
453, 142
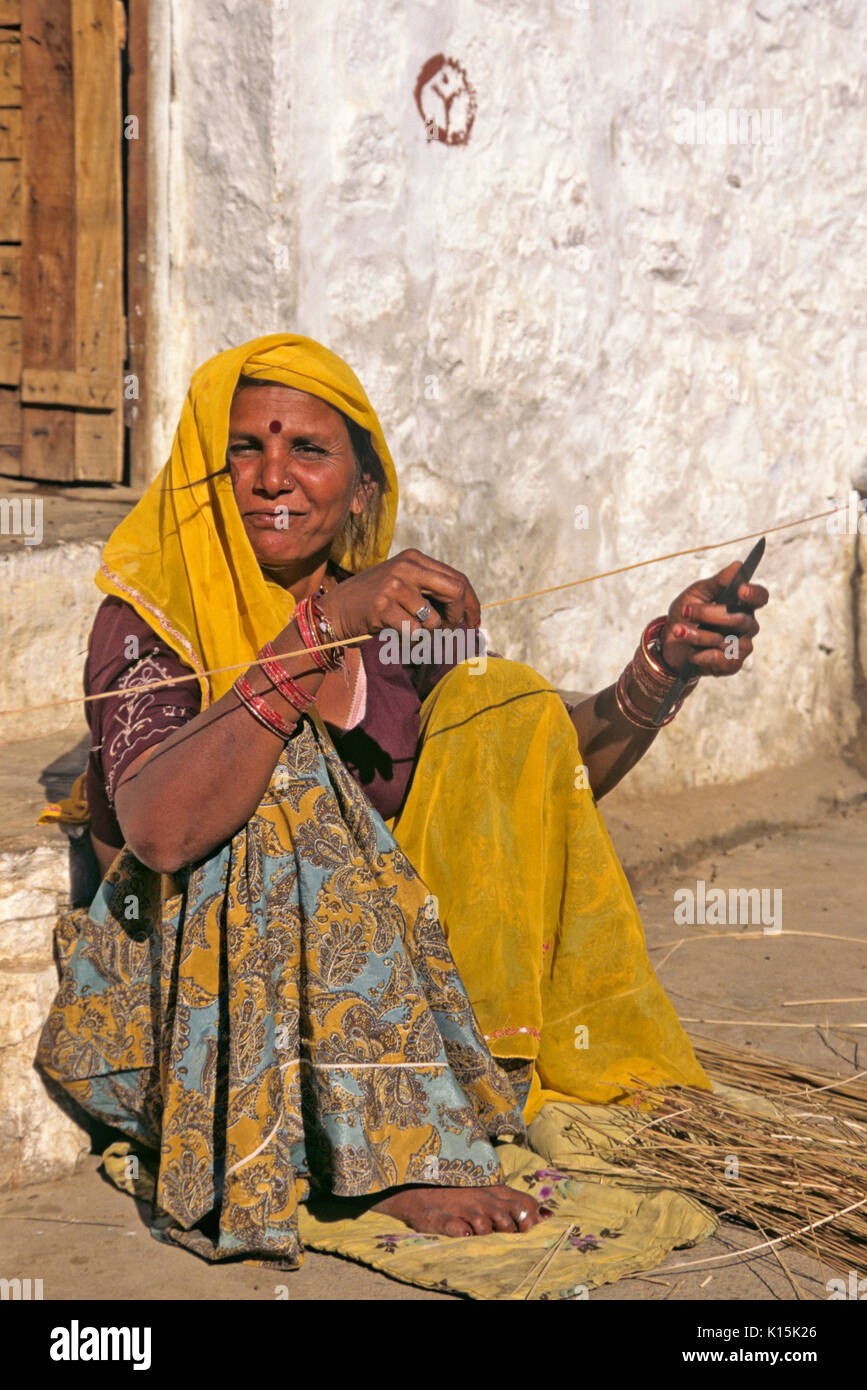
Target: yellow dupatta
182, 558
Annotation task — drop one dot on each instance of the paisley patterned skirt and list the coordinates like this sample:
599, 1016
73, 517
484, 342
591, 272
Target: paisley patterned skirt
288, 1015
284, 1017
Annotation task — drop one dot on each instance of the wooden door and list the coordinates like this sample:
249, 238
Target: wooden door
10, 235
62, 330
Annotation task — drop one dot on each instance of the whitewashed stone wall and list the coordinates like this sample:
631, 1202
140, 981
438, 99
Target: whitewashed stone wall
618, 294
48, 602
39, 1141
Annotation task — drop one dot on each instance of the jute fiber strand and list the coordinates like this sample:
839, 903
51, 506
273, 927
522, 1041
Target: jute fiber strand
800, 1145
280, 608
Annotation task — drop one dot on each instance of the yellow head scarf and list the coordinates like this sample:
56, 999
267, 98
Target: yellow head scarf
182, 558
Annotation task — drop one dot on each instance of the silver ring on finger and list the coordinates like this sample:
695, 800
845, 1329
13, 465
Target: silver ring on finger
522, 1215
423, 613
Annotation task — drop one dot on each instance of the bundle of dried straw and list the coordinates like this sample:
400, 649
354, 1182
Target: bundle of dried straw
797, 1171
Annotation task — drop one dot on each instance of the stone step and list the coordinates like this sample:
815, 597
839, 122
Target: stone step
47, 605
48, 598
39, 1138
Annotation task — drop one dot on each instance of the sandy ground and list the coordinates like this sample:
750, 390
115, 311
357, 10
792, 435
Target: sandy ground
801, 833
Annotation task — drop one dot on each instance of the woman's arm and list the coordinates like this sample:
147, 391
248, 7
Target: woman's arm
697, 631
610, 745
179, 800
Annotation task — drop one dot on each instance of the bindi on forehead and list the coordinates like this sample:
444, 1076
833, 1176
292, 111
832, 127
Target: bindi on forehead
275, 427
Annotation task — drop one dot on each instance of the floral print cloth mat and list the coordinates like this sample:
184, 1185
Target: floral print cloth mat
604, 1228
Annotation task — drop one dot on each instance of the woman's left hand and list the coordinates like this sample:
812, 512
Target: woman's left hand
711, 653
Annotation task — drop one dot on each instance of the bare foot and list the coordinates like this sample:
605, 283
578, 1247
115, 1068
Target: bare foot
462, 1211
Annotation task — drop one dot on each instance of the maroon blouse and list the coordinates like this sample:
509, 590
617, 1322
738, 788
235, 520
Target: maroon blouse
124, 651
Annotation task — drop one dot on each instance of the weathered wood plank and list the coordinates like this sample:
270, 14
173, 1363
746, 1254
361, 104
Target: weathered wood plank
10, 11
137, 412
10, 284
42, 386
10, 432
10, 200
10, 67
48, 225
10, 133
47, 443
10, 415
99, 251
98, 446
10, 352
48, 264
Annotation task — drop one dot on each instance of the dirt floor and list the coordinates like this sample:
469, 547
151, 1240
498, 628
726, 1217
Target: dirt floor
800, 832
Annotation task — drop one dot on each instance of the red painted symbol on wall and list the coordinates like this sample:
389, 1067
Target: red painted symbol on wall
445, 100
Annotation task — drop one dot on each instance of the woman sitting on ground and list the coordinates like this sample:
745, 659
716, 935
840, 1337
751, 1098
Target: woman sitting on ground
359, 919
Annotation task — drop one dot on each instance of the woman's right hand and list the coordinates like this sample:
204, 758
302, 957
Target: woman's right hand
391, 593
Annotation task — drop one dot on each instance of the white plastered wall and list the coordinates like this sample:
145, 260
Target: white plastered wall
575, 308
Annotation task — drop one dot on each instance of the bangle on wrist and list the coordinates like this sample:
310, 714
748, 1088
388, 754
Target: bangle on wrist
631, 711
650, 645
280, 678
260, 709
628, 707
652, 675
647, 698
314, 627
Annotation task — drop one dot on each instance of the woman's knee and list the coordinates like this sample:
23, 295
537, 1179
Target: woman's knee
474, 684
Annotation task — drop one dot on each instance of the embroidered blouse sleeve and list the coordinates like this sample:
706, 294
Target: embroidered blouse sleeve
124, 654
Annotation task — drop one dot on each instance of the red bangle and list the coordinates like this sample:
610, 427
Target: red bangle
628, 707
261, 710
308, 636
314, 627
652, 637
282, 681
630, 710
